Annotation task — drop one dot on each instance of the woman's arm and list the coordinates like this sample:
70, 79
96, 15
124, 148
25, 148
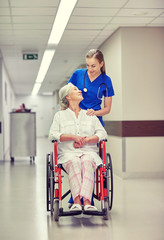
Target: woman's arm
103, 111
92, 139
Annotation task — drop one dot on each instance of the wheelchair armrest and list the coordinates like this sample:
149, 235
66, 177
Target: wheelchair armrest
103, 140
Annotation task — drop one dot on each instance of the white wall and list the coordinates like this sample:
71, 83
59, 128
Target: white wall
143, 73
6, 104
112, 50
1, 112
135, 58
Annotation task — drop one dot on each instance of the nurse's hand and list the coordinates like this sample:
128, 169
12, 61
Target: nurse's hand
90, 112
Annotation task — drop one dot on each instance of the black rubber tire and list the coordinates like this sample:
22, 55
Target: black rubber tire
106, 206
51, 184
48, 182
110, 181
56, 210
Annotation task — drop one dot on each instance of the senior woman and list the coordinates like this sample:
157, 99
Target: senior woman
77, 135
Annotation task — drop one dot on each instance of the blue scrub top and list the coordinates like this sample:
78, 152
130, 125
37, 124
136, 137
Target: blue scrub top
91, 100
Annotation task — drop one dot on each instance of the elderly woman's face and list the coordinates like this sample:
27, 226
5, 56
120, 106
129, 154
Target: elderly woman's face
75, 94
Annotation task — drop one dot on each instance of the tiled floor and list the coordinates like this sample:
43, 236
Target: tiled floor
138, 209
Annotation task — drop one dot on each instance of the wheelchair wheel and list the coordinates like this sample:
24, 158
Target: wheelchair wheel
106, 206
109, 181
56, 210
48, 181
51, 184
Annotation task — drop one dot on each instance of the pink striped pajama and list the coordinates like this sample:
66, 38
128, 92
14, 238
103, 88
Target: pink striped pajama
81, 176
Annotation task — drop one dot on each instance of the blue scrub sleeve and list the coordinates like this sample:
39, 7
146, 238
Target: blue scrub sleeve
73, 79
110, 91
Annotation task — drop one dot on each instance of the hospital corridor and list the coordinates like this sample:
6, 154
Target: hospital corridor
81, 119
138, 210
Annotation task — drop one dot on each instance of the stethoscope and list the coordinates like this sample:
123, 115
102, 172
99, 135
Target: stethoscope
86, 90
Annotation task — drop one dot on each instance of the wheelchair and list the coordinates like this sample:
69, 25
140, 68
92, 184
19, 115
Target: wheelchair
103, 189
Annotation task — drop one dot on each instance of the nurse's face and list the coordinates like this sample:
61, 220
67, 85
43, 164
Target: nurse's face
93, 66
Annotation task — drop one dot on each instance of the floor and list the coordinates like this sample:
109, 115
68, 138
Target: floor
138, 209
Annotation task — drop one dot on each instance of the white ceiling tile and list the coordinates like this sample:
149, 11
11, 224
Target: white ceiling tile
33, 26
49, 11
6, 41
85, 26
105, 33
29, 26
4, 11
95, 12
31, 33
5, 19
5, 26
34, 3
131, 20
99, 4
6, 33
111, 27
33, 19
96, 43
159, 20
156, 24
77, 38
145, 4
87, 20
81, 33
4, 3
140, 12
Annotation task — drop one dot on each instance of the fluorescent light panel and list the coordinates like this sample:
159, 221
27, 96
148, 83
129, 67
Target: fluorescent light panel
62, 17
36, 88
46, 60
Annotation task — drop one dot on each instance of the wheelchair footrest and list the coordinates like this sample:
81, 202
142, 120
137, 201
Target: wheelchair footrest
95, 213
68, 213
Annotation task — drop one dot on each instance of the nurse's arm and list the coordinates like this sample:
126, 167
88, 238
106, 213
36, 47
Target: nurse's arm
103, 111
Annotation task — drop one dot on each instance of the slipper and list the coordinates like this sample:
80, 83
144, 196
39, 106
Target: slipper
76, 207
90, 208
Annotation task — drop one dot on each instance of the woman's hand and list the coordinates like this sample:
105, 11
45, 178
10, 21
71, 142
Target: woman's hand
76, 145
80, 143
78, 139
90, 112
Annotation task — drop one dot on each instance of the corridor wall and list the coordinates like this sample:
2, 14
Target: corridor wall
7, 98
134, 59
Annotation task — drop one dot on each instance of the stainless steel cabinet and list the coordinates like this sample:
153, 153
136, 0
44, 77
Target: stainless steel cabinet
23, 135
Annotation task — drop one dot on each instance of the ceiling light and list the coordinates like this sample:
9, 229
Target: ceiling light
36, 88
46, 60
62, 17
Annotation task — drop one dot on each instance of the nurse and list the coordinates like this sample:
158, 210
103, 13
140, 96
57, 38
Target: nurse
94, 84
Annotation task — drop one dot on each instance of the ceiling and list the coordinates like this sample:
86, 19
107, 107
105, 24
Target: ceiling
25, 27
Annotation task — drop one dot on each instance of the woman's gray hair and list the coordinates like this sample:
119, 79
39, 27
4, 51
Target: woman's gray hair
63, 92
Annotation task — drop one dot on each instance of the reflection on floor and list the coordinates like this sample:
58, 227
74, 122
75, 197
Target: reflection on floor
138, 209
